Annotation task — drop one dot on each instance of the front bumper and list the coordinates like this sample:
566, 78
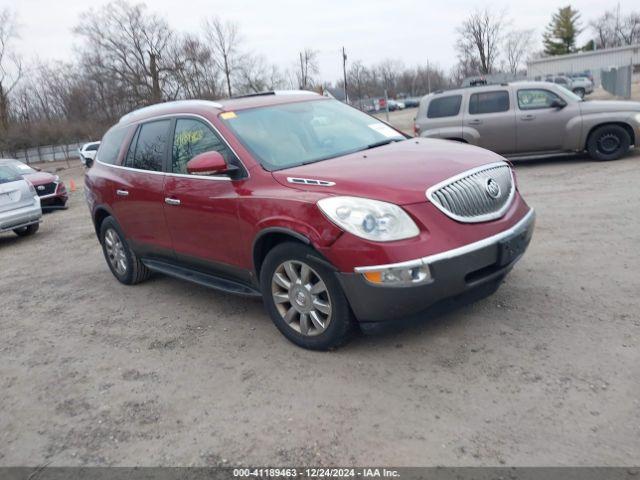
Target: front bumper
56, 200
20, 217
454, 273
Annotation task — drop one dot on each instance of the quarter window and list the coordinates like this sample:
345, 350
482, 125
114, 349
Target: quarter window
110, 146
444, 106
489, 102
148, 147
532, 99
191, 138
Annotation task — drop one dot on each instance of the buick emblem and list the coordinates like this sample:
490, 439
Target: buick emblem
492, 187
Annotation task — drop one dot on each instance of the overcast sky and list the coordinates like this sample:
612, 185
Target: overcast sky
372, 30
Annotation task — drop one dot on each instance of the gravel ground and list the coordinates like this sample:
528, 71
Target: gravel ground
544, 372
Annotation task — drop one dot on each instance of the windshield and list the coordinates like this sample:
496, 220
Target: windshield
283, 136
572, 96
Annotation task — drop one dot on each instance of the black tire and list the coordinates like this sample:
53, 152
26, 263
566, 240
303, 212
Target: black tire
28, 230
609, 142
340, 320
135, 271
580, 92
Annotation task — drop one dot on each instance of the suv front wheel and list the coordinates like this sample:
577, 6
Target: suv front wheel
304, 298
123, 262
608, 142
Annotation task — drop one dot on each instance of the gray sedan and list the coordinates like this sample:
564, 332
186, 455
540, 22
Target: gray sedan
20, 209
530, 119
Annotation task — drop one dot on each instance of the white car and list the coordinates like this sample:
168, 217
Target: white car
88, 152
20, 209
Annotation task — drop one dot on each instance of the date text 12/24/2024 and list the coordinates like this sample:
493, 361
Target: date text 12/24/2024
315, 472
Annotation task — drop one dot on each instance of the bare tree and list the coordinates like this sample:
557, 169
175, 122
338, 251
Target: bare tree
132, 48
257, 75
10, 64
225, 40
479, 39
612, 29
197, 74
308, 67
517, 44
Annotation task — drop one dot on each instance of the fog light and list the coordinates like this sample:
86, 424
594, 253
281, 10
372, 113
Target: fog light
399, 277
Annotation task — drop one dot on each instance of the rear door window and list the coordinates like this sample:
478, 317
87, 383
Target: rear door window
110, 146
489, 102
9, 174
148, 148
444, 106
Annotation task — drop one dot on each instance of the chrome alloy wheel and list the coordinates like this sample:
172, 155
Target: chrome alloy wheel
301, 297
115, 251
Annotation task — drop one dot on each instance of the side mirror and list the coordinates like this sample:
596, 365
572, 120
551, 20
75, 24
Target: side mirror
559, 104
207, 163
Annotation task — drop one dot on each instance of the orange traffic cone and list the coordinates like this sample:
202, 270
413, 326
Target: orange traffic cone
72, 185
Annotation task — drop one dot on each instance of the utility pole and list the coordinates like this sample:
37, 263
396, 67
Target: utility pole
344, 72
428, 78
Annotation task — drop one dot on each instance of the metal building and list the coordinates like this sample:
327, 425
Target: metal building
593, 61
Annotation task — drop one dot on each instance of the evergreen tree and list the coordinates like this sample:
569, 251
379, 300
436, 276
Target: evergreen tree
562, 31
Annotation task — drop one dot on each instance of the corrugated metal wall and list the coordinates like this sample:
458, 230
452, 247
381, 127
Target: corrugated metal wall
579, 62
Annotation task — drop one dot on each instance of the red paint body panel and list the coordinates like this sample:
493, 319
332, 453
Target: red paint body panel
205, 224
219, 221
141, 212
399, 173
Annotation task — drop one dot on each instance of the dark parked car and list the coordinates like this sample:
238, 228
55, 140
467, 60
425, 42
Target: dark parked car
327, 213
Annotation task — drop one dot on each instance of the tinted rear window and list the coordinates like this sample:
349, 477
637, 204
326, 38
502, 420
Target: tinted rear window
444, 106
489, 102
9, 174
150, 146
110, 146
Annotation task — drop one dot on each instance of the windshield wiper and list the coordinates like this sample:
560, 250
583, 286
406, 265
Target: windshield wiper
381, 143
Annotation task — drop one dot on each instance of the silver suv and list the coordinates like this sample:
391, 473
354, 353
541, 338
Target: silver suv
530, 119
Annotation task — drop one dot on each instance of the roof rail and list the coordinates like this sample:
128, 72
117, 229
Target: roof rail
167, 106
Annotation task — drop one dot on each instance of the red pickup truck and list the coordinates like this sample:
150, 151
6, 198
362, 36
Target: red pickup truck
335, 218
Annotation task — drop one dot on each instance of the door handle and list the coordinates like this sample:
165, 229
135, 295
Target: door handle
171, 201
122, 193
528, 117
477, 121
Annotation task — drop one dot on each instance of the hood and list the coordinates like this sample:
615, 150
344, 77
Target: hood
609, 106
39, 178
399, 172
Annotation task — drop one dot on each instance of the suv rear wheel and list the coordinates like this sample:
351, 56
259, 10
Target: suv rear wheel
124, 264
304, 299
608, 142
28, 230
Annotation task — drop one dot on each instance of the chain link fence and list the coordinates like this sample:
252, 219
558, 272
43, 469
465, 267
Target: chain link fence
47, 153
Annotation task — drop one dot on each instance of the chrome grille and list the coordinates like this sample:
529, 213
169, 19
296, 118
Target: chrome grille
476, 195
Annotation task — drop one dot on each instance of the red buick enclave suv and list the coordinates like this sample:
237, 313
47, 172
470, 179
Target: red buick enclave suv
329, 214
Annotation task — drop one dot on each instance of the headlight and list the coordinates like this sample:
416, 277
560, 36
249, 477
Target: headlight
369, 219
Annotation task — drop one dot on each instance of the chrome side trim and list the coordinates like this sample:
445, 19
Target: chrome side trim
479, 218
179, 115
456, 252
310, 181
